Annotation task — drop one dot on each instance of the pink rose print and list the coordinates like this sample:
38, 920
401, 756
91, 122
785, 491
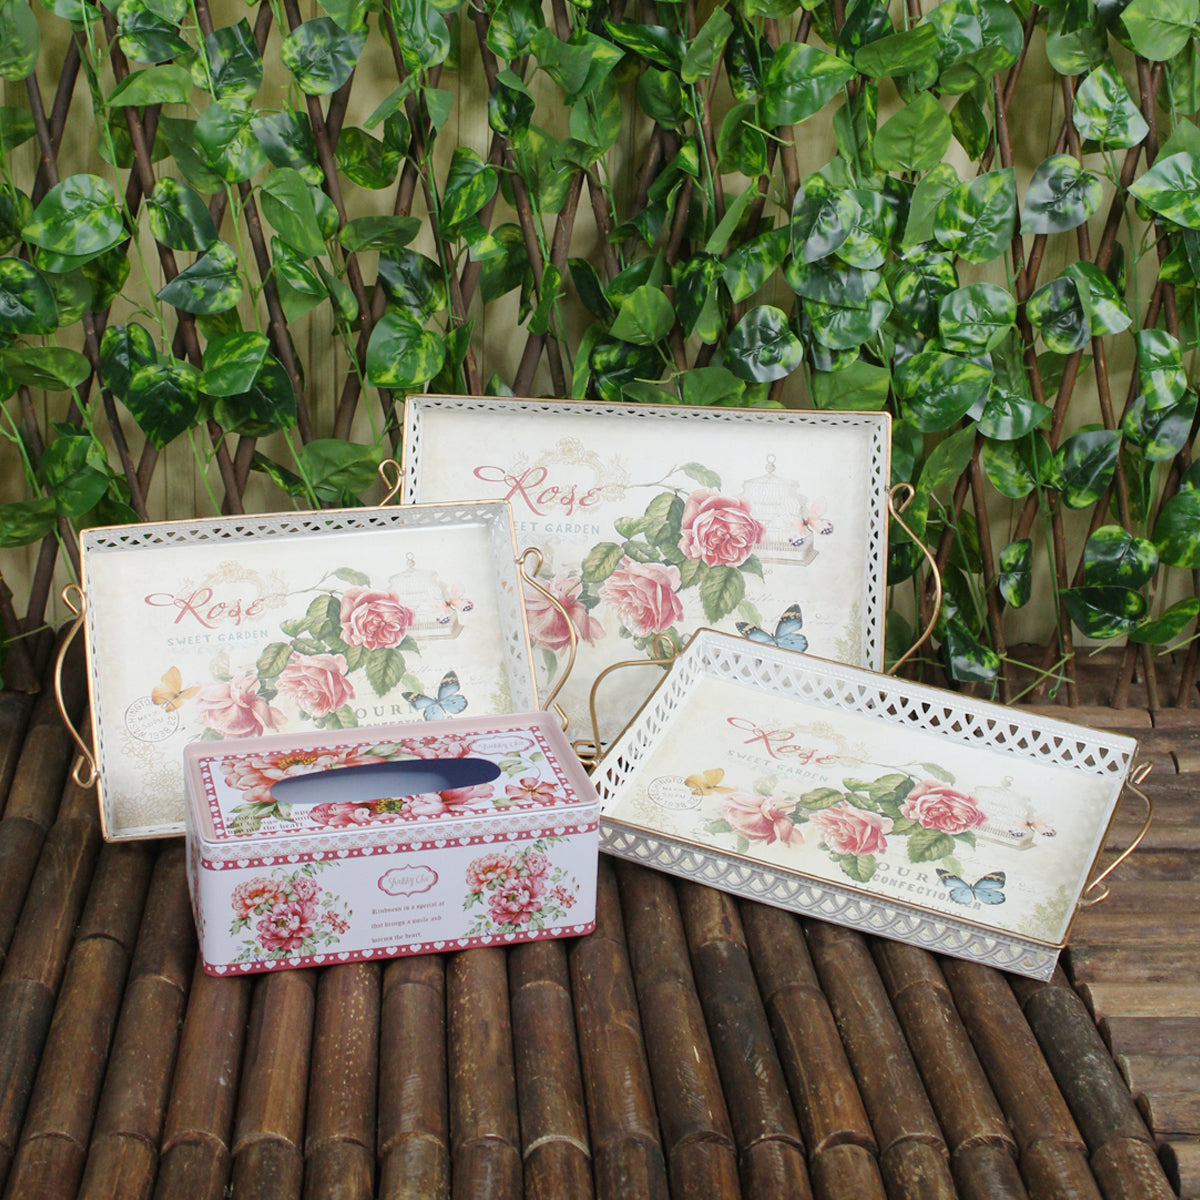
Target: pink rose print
373, 619
233, 708
548, 627
437, 747
515, 903
936, 806
488, 871
643, 595
256, 774
286, 926
719, 530
316, 682
255, 896
760, 818
340, 814
451, 802
849, 830
529, 789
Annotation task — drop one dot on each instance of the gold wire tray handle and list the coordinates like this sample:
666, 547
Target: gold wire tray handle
531, 553
895, 507
72, 597
392, 478
1137, 776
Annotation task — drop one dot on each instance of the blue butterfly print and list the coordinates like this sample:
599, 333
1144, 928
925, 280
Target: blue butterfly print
787, 635
988, 889
449, 702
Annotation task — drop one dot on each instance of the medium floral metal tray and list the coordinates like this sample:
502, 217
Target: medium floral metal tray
901, 810
251, 625
656, 520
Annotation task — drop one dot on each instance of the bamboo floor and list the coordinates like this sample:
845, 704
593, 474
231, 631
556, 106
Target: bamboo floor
693, 1046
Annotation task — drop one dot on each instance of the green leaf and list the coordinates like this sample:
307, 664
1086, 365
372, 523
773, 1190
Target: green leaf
25, 521
918, 284
470, 184
1009, 468
80, 216
378, 233
1113, 557
385, 669
268, 404
871, 237
660, 96
822, 220
859, 867
861, 385
741, 146
163, 398
402, 353
234, 63
846, 326
976, 219
645, 317
1061, 195
1159, 29
911, 50
1162, 433
178, 217
601, 562
1177, 530
287, 203
1104, 612
1056, 311
1160, 368
916, 138
978, 39
211, 284
1084, 466
226, 138
26, 302
656, 43
1015, 579
1102, 302
1076, 38
168, 84
366, 160
16, 127
179, 137
232, 362
938, 389
948, 460
273, 659
1172, 623
54, 368
123, 349
414, 283
969, 121
321, 55
337, 468
75, 472
511, 105
1010, 415
1171, 188
966, 659
287, 140
721, 591
822, 797
976, 318
799, 81
928, 845
1105, 112
710, 386
706, 47
513, 26
927, 196
19, 40
761, 347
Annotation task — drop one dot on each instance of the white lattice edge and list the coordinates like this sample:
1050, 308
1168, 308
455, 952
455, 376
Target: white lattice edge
879, 424
827, 902
494, 516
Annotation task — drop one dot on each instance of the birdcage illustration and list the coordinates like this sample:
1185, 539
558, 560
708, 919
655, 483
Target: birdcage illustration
1010, 817
783, 510
435, 609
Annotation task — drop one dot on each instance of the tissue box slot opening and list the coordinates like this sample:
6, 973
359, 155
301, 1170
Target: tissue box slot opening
368, 782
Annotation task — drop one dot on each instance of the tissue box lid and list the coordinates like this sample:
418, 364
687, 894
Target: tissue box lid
536, 773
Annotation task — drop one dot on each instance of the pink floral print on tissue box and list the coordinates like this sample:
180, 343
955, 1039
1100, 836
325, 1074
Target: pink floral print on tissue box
278, 885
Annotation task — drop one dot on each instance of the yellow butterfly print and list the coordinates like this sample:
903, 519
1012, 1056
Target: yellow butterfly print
171, 693
707, 783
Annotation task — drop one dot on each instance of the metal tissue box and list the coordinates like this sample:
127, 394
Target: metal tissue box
306, 849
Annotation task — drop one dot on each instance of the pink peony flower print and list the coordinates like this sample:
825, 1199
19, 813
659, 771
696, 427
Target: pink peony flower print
849, 830
719, 530
317, 683
255, 896
529, 789
936, 806
373, 619
285, 927
643, 595
304, 888
535, 863
233, 708
336, 923
340, 814
516, 903
548, 627
257, 773
562, 896
488, 871
451, 802
760, 818
437, 747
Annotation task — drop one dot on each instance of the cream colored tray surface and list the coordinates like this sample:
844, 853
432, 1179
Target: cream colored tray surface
252, 625
901, 810
661, 519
